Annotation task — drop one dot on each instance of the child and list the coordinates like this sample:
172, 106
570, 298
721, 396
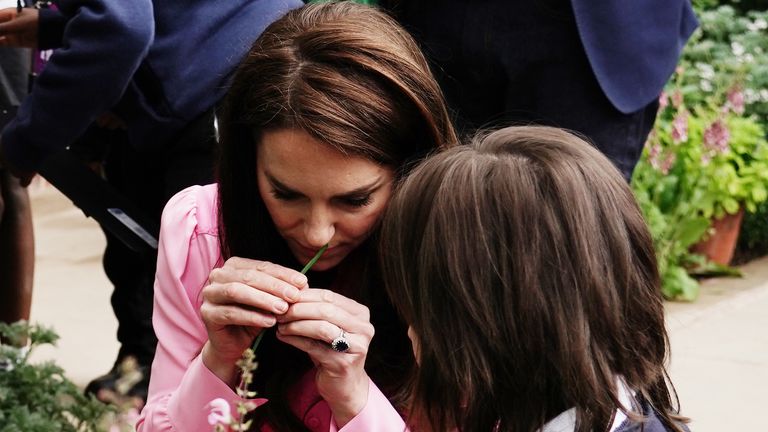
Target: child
528, 277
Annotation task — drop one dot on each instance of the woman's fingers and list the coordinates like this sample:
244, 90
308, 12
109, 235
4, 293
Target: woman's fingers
321, 352
315, 295
261, 281
332, 313
324, 333
231, 315
239, 294
249, 267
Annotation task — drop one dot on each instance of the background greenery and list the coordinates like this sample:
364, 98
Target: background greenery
719, 94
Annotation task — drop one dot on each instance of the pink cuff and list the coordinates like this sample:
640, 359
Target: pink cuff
378, 415
189, 406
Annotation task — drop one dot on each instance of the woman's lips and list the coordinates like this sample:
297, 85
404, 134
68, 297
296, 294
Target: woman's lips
310, 252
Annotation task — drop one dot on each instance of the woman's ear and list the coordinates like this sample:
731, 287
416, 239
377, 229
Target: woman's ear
414, 345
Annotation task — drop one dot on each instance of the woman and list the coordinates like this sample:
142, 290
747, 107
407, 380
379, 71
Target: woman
528, 277
326, 113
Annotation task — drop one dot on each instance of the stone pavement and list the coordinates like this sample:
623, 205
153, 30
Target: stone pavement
719, 358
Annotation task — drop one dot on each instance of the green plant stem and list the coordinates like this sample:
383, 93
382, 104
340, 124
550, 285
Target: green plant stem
314, 259
306, 268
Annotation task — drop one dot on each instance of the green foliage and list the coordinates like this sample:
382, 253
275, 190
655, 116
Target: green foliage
38, 397
707, 155
699, 163
740, 5
673, 233
729, 49
753, 239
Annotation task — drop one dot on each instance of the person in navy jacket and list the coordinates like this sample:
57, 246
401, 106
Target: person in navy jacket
596, 67
151, 70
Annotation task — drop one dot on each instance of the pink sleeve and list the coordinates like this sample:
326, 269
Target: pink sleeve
181, 386
377, 416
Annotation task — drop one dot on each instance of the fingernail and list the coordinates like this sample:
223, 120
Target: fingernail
300, 280
291, 293
280, 306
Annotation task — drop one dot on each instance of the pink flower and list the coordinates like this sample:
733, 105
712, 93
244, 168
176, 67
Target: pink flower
680, 127
663, 101
717, 136
677, 98
653, 155
736, 100
669, 161
131, 416
220, 412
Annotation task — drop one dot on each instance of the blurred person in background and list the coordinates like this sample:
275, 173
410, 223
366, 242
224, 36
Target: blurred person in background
17, 248
149, 73
595, 67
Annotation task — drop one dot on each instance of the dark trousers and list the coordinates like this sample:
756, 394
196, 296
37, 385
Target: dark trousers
505, 62
149, 180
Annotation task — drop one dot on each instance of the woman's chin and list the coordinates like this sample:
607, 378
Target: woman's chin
325, 264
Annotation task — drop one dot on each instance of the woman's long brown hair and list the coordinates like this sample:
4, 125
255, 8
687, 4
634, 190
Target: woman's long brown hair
352, 78
526, 270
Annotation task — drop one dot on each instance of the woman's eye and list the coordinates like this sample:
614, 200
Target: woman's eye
283, 195
358, 201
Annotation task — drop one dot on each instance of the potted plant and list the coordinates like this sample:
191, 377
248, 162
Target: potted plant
701, 164
705, 158
732, 43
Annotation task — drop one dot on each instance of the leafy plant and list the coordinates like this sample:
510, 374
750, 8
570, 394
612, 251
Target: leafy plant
729, 47
701, 161
220, 416
38, 397
732, 42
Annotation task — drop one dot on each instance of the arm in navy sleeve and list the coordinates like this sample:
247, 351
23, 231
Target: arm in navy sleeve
50, 29
103, 44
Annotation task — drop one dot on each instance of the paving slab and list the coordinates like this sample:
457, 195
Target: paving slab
71, 292
719, 361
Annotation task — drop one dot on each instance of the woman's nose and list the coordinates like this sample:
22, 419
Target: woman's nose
319, 228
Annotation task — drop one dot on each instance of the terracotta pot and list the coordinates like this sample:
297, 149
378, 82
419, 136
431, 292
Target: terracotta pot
719, 246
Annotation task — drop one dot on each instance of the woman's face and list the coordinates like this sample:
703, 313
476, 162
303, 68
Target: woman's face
316, 195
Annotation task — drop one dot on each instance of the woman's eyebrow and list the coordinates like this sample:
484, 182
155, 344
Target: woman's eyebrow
277, 184
361, 190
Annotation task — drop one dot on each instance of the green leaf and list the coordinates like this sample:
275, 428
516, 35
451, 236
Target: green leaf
678, 285
759, 193
731, 205
692, 230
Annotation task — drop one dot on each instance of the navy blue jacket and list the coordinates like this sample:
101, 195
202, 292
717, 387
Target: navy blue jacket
156, 63
633, 45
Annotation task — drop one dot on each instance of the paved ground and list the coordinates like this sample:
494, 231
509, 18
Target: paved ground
719, 344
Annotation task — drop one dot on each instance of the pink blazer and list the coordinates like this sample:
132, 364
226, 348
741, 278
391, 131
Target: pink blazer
181, 386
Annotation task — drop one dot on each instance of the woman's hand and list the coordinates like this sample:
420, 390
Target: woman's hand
243, 298
311, 323
19, 29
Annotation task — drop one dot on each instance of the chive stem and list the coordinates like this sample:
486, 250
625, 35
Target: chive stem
314, 259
